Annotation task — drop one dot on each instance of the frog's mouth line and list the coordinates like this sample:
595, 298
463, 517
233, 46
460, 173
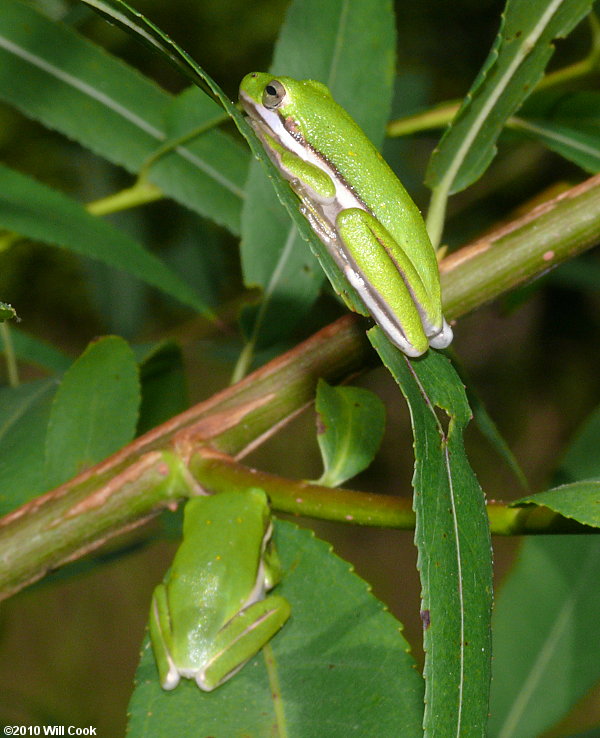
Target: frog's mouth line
269, 120
286, 134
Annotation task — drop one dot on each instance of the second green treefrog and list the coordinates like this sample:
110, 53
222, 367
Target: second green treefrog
210, 614
355, 204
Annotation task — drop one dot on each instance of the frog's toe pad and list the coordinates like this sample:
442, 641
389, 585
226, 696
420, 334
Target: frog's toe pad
443, 339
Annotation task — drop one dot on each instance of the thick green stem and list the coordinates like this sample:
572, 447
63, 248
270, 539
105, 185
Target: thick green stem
524, 249
151, 473
154, 471
76, 518
218, 473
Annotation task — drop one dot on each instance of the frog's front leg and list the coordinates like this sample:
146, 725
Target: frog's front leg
241, 638
161, 637
390, 285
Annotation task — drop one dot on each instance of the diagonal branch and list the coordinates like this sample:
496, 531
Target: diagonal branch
172, 461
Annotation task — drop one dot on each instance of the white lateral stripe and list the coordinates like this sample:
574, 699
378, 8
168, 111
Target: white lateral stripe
392, 330
269, 118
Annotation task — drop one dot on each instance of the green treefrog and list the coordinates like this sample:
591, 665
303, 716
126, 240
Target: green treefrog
355, 204
210, 614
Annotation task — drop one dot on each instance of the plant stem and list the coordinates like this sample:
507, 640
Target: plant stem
9, 352
219, 473
526, 248
438, 116
173, 144
152, 473
442, 114
582, 68
436, 214
140, 193
74, 519
199, 447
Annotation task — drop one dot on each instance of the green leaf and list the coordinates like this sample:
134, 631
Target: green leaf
190, 112
32, 350
547, 657
582, 460
579, 500
354, 57
24, 413
66, 82
486, 424
278, 260
141, 28
340, 666
95, 410
163, 383
136, 24
350, 426
578, 146
514, 66
578, 274
452, 536
567, 123
7, 312
489, 429
546, 649
36, 211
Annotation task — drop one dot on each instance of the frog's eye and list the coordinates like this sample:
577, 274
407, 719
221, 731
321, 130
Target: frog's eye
273, 94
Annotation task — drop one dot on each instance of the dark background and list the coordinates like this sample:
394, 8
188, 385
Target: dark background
70, 644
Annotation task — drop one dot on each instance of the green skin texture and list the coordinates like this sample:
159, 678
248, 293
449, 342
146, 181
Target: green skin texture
384, 240
210, 615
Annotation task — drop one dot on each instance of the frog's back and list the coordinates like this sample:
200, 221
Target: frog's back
340, 140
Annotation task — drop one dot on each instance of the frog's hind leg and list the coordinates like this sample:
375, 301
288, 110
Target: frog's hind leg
241, 638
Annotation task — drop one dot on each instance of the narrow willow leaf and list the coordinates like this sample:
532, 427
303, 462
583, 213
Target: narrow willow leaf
514, 66
579, 501
452, 536
578, 274
579, 147
548, 657
486, 424
340, 665
143, 29
490, 430
190, 112
95, 410
350, 426
582, 460
24, 413
36, 211
56, 76
546, 646
354, 57
567, 123
277, 260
